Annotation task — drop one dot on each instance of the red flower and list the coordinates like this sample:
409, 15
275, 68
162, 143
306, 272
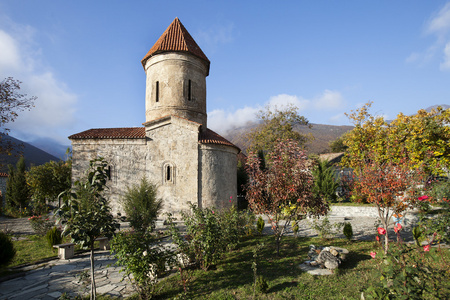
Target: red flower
377, 238
425, 197
373, 254
381, 230
397, 227
426, 248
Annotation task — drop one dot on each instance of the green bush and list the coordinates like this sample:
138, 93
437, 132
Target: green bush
348, 231
7, 251
260, 225
142, 256
53, 237
40, 224
141, 206
261, 285
209, 233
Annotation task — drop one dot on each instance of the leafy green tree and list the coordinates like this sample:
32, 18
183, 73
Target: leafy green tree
11, 102
141, 206
284, 189
47, 181
85, 213
275, 125
423, 138
338, 145
17, 191
325, 181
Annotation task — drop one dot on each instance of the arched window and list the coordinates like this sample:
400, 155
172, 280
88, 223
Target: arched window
168, 171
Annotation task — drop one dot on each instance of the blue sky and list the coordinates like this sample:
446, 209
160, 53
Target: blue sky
82, 58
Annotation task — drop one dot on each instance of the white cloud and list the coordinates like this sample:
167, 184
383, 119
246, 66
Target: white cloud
216, 35
446, 64
329, 100
55, 106
222, 121
439, 26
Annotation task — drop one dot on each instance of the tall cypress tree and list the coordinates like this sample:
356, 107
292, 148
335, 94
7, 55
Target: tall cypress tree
325, 182
17, 190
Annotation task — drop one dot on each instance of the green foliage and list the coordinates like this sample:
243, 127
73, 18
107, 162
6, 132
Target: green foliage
260, 225
17, 190
209, 234
41, 225
325, 181
47, 181
338, 145
85, 213
325, 229
7, 251
418, 235
295, 228
348, 231
141, 206
275, 125
54, 236
437, 226
409, 272
261, 285
143, 257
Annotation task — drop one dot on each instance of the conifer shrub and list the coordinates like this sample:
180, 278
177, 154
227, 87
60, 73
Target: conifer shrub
53, 236
348, 231
260, 225
7, 251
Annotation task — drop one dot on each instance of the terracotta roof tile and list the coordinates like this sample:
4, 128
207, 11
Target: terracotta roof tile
3, 174
175, 38
204, 137
111, 133
210, 137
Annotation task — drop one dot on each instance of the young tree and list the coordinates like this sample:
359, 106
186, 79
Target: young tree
47, 181
338, 145
284, 189
85, 213
325, 181
11, 102
17, 191
141, 206
391, 186
276, 124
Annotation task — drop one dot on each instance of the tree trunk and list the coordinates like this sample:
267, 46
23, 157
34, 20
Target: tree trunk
93, 288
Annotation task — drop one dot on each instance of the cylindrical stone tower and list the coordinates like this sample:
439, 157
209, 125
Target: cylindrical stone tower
176, 70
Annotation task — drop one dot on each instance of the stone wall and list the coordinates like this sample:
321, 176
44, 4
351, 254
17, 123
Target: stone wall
218, 175
126, 157
176, 85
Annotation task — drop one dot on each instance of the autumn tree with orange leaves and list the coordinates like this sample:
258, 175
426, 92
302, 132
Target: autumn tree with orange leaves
283, 189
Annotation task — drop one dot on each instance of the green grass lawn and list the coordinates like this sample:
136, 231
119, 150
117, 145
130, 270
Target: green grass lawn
233, 277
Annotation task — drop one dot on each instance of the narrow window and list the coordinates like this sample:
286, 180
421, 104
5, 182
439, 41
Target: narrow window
108, 172
168, 173
157, 91
189, 90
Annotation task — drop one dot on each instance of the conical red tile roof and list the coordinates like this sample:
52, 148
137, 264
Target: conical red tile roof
176, 39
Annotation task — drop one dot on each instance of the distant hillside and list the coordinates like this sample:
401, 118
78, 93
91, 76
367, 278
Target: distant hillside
444, 106
323, 134
33, 155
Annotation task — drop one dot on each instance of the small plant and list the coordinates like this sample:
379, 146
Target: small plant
348, 231
141, 206
325, 229
261, 285
257, 285
143, 259
40, 224
7, 251
417, 235
260, 225
295, 228
53, 237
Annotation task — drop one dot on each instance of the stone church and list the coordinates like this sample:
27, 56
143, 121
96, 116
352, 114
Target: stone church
174, 150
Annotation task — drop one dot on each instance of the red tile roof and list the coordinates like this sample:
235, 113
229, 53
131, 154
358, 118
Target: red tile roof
210, 137
175, 39
3, 174
205, 137
111, 133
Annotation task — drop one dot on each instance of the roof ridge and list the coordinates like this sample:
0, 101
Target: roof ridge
175, 38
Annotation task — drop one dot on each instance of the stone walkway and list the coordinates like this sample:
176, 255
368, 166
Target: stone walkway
51, 279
